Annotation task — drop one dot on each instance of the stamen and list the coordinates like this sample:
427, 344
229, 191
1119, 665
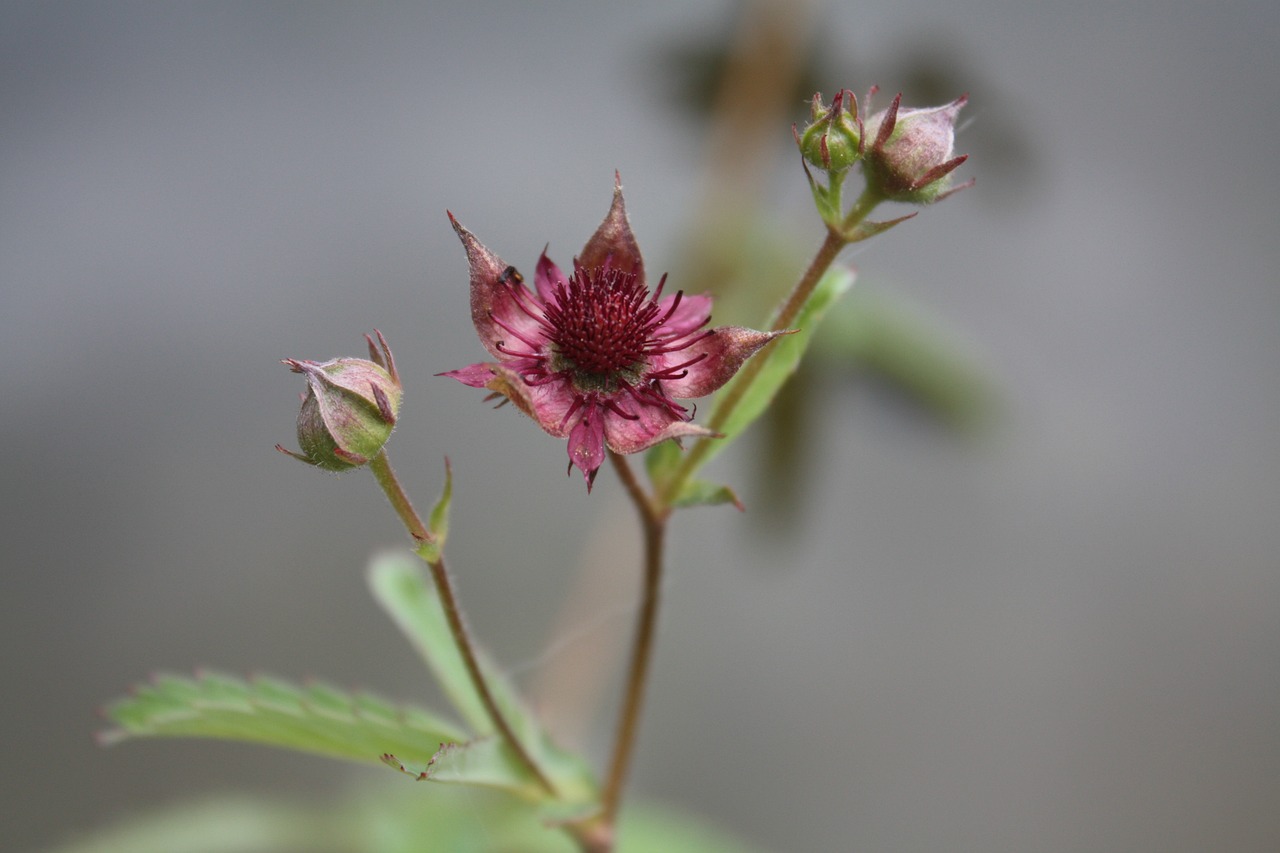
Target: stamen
543, 379
513, 332
525, 301
578, 400
649, 395
676, 344
670, 372
675, 303
502, 348
657, 291
613, 406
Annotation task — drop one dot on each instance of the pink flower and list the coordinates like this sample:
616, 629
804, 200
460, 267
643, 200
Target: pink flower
594, 357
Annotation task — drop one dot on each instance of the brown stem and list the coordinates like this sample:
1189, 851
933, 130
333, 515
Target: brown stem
453, 615
837, 238
827, 253
654, 523
733, 395
386, 478
800, 294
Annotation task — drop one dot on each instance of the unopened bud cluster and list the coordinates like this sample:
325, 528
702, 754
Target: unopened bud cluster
349, 408
907, 155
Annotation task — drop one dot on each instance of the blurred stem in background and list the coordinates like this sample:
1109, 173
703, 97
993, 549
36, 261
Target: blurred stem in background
749, 111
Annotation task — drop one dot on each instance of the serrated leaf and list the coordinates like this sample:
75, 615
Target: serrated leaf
487, 762
316, 719
783, 358
400, 587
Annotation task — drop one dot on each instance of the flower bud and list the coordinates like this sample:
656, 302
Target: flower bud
349, 409
833, 141
911, 158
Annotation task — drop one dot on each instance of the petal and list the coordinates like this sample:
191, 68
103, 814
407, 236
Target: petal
726, 348
475, 375
586, 444
498, 317
692, 313
548, 404
613, 240
651, 425
547, 278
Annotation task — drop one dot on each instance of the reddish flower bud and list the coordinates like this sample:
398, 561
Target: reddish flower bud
911, 158
349, 409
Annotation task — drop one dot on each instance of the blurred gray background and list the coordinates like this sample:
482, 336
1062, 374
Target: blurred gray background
1063, 635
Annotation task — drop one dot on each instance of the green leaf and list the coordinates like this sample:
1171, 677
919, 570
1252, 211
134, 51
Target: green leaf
706, 493
438, 522
487, 762
399, 586
372, 818
440, 512
782, 358
661, 462
909, 345
376, 818
225, 825
317, 719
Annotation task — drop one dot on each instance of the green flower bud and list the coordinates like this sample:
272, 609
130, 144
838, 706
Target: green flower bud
349, 409
833, 140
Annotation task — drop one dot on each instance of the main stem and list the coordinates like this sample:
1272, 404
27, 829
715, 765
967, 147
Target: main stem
386, 478
654, 523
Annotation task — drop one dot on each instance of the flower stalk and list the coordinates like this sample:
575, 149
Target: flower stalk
400, 502
852, 229
653, 521
655, 511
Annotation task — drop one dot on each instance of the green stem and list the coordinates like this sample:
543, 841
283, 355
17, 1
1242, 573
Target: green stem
837, 238
654, 523
786, 315
386, 478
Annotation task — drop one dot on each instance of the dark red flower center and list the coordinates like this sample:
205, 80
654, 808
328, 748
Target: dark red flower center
601, 321
602, 331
